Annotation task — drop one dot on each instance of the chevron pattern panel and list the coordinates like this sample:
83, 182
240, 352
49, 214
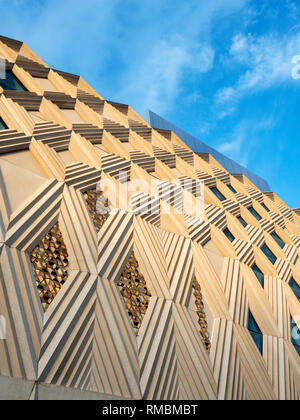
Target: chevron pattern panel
105, 297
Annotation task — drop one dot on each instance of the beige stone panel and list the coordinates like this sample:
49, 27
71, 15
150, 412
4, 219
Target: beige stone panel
13, 389
36, 116
82, 150
113, 114
115, 367
52, 112
48, 392
211, 286
61, 85
25, 160
27, 52
66, 157
150, 255
8, 53
260, 305
297, 265
112, 145
215, 257
88, 115
195, 369
137, 142
15, 116
45, 84
72, 115
82, 84
48, 159
20, 183
27, 80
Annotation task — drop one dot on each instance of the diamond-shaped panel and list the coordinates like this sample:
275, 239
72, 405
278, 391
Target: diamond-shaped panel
99, 207
50, 265
135, 293
201, 314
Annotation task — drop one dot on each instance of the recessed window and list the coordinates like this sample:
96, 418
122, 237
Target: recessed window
242, 221
295, 288
259, 274
11, 82
269, 254
231, 188
265, 207
255, 332
278, 240
229, 234
3, 126
295, 336
254, 213
218, 194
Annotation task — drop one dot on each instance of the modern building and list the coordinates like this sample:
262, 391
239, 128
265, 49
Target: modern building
117, 281
199, 147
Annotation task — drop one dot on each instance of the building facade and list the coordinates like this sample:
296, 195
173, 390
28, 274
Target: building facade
199, 147
132, 267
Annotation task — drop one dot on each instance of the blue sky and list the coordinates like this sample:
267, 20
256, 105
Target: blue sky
219, 69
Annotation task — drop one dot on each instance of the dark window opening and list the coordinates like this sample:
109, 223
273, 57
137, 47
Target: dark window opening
259, 274
278, 240
255, 332
231, 188
295, 288
242, 221
269, 254
217, 193
229, 234
3, 126
11, 82
295, 336
254, 213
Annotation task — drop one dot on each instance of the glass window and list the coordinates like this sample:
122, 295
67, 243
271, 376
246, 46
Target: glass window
229, 234
255, 332
218, 194
259, 274
254, 213
11, 82
268, 253
295, 288
242, 221
3, 126
231, 188
278, 240
295, 335
265, 207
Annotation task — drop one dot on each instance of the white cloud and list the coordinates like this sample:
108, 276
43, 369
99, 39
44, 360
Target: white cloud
142, 53
264, 61
158, 79
239, 143
231, 146
160, 75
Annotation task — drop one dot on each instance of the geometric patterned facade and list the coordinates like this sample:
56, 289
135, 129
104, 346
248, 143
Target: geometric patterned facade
103, 297
50, 263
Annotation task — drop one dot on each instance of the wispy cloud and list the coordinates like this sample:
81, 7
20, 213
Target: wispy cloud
157, 80
234, 147
263, 62
239, 144
141, 52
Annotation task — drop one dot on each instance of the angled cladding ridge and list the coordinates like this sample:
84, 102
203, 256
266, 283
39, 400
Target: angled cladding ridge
199, 147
